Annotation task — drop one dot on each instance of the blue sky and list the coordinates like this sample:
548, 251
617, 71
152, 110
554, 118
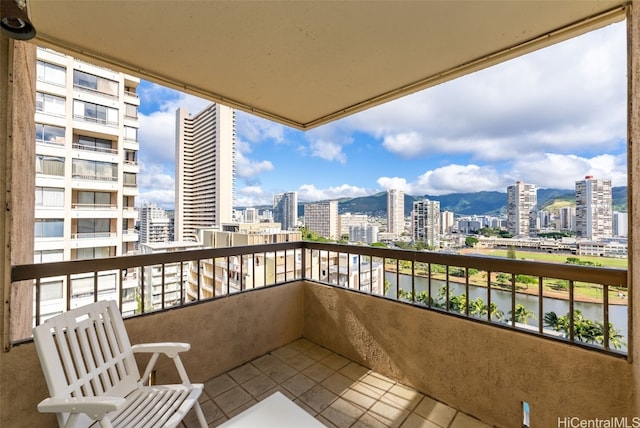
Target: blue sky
548, 118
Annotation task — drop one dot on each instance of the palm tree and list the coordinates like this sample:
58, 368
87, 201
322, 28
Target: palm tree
521, 314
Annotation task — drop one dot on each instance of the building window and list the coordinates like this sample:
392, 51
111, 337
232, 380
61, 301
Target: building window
130, 157
91, 82
130, 133
50, 165
50, 73
50, 290
102, 199
49, 197
131, 110
94, 170
94, 144
94, 228
49, 134
93, 253
129, 179
96, 113
49, 228
50, 104
47, 256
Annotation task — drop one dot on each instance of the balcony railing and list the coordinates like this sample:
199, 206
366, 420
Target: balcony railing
97, 120
581, 305
94, 148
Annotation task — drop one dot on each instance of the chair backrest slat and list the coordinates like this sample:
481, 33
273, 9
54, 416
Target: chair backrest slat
86, 352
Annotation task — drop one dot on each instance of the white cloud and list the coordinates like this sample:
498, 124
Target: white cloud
256, 129
250, 196
327, 150
564, 99
397, 183
458, 179
309, 192
156, 186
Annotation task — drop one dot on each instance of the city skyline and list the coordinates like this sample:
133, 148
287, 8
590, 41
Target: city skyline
548, 118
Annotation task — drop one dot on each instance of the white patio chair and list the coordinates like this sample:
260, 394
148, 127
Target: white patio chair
93, 378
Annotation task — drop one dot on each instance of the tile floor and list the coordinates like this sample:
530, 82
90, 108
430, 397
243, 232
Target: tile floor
335, 390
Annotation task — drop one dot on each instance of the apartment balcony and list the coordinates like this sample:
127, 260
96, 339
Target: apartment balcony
93, 239
129, 212
351, 358
130, 235
94, 182
130, 144
131, 166
93, 211
84, 151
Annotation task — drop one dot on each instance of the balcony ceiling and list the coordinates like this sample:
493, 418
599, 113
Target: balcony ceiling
308, 63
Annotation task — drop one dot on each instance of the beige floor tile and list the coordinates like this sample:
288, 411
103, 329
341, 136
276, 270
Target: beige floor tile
318, 372
368, 390
285, 352
416, 421
244, 373
317, 352
390, 415
219, 422
369, 421
277, 388
218, 385
280, 372
211, 413
337, 383
301, 345
402, 396
354, 371
324, 421
318, 398
301, 362
377, 381
266, 361
305, 407
242, 408
435, 411
335, 361
342, 413
358, 398
259, 385
465, 421
232, 399
298, 384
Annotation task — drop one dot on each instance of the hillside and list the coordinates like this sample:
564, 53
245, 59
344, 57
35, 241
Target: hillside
478, 203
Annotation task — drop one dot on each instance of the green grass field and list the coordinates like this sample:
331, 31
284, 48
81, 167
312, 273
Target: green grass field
559, 258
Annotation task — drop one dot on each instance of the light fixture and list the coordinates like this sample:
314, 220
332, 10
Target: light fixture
14, 21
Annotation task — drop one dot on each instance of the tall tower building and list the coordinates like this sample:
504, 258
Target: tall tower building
522, 200
86, 160
425, 220
154, 224
594, 208
205, 169
447, 222
567, 219
285, 210
620, 225
395, 211
322, 218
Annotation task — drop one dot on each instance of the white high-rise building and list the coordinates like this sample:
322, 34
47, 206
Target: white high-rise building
395, 211
620, 224
447, 222
425, 220
348, 220
567, 219
154, 224
251, 215
322, 218
594, 208
285, 210
86, 173
522, 200
205, 169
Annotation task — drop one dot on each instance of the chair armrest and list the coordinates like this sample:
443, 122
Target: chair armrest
171, 349
95, 407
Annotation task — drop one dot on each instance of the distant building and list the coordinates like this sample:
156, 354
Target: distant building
322, 218
620, 224
366, 233
250, 215
285, 210
154, 224
447, 222
426, 222
395, 211
594, 208
348, 220
522, 200
567, 219
205, 169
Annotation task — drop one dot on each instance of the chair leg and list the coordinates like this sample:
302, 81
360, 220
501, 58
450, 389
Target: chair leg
200, 415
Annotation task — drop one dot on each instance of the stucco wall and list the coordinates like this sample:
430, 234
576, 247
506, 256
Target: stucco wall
224, 333
479, 369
